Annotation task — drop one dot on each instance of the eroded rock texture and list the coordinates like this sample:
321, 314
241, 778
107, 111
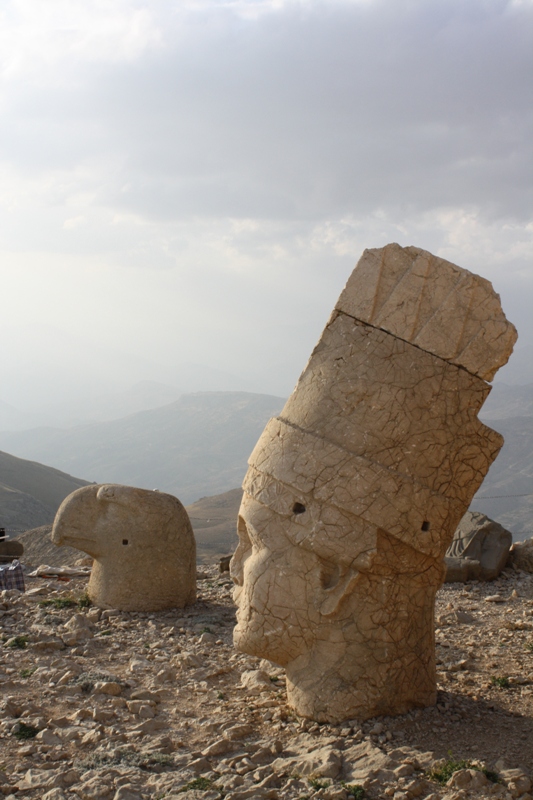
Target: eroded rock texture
142, 544
354, 492
479, 549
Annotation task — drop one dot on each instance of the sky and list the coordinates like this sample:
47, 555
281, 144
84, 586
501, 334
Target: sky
192, 182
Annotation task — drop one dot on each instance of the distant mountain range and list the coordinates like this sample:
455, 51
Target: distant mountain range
194, 447
83, 404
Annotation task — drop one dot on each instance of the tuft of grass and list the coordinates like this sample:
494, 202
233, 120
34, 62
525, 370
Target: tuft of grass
353, 790
445, 770
318, 784
23, 731
529, 646
197, 783
274, 678
18, 642
87, 680
501, 681
84, 601
59, 602
125, 757
28, 672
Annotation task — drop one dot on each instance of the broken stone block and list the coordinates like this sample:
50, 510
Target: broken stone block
521, 555
354, 491
142, 544
479, 550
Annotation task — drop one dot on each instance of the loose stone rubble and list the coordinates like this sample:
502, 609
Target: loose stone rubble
139, 706
354, 492
142, 543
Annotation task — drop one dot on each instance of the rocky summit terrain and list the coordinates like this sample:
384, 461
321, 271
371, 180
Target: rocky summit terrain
129, 706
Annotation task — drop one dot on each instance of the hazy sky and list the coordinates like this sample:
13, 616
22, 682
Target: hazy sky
193, 181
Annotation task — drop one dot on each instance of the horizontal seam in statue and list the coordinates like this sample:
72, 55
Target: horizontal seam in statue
351, 453
400, 339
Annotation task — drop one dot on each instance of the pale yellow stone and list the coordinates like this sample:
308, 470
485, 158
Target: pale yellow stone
354, 492
142, 544
432, 303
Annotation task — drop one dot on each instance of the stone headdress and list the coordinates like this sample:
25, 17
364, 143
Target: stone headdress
382, 426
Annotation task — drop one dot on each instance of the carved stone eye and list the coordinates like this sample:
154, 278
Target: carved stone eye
298, 508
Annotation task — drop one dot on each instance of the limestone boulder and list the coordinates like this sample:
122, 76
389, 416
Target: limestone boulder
479, 550
521, 555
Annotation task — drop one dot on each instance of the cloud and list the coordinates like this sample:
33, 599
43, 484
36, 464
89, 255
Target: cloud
216, 168
308, 110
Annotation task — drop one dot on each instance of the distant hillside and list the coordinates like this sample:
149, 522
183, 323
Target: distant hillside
509, 410
31, 493
508, 401
510, 476
214, 520
194, 447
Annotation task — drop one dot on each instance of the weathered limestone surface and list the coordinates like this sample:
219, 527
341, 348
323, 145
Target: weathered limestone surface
141, 541
354, 492
479, 550
521, 555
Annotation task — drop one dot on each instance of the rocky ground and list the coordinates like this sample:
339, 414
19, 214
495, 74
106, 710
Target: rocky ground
124, 706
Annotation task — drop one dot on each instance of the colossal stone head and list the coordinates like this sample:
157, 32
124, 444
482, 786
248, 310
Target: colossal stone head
141, 541
354, 492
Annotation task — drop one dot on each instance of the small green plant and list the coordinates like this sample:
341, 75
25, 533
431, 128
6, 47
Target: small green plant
501, 681
529, 646
107, 632
317, 784
59, 602
28, 672
197, 783
206, 629
274, 678
87, 680
157, 759
221, 696
445, 770
23, 731
18, 642
123, 756
491, 776
84, 601
353, 790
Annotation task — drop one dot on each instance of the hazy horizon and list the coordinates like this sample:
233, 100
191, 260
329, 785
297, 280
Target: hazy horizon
192, 184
